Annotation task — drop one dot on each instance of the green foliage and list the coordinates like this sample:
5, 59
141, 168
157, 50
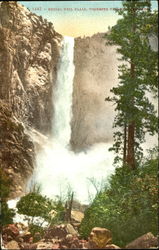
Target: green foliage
34, 229
137, 74
7, 214
128, 207
60, 216
35, 205
4, 184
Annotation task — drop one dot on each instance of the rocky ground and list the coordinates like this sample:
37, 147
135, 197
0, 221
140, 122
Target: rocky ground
64, 236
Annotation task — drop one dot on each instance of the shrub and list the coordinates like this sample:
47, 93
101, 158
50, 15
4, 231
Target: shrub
128, 207
34, 229
60, 216
35, 205
6, 215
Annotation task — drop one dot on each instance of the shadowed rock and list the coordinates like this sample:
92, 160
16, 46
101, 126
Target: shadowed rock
99, 238
145, 241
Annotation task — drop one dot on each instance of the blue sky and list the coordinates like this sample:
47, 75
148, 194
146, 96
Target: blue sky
78, 18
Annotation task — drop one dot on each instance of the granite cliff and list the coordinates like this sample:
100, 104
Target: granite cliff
29, 49
29, 52
16, 150
95, 73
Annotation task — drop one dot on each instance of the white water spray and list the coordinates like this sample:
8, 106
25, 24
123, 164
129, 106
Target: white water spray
57, 166
62, 97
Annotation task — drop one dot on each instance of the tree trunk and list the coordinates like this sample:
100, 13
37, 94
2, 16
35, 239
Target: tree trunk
131, 142
131, 132
125, 144
68, 207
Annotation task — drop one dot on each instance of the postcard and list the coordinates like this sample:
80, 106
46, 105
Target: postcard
78, 124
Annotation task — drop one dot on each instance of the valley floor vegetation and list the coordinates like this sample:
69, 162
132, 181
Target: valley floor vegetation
128, 206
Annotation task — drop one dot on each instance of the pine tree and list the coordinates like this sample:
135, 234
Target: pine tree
136, 114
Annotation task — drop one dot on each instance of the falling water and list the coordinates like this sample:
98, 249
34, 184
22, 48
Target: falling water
62, 98
57, 166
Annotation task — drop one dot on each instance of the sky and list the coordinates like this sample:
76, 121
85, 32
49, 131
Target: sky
78, 18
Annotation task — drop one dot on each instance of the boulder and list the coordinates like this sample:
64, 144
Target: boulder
67, 241
99, 238
83, 244
77, 216
22, 228
75, 244
11, 231
70, 229
71, 242
55, 246
33, 246
111, 246
60, 231
44, 245
63, 247
19, 239
28, 246
26, 237
12, 245
145, 241
37, 237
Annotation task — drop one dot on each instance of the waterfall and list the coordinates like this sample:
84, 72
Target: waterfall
58, 167
62, 97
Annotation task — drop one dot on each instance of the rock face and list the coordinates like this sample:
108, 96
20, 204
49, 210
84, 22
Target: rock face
16, 150
95, 74
29, 52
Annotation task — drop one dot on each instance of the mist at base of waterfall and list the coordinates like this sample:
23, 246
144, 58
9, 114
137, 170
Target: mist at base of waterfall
59, 169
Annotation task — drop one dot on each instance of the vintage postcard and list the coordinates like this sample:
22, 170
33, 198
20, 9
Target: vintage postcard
78, 124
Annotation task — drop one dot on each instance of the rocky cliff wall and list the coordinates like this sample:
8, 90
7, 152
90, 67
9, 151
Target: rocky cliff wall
95, 73
16, 150
29, 53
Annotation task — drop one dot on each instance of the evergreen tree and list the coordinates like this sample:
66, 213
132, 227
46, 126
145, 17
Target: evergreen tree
136, 114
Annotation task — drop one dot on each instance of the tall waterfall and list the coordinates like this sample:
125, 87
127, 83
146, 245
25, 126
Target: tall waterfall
62, 98
59, 168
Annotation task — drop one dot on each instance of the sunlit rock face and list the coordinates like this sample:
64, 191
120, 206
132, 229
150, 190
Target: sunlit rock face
95, 73
29, 53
